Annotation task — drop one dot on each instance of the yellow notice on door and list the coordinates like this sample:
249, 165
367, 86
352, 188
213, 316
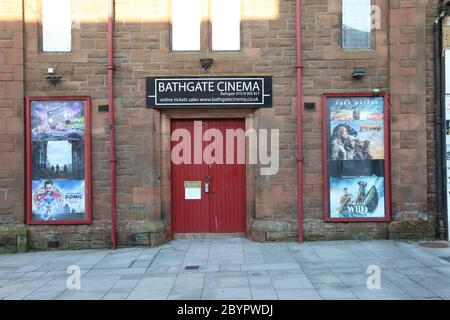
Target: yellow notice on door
192, 190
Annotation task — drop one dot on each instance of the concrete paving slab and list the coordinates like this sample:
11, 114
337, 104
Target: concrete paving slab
148, 294
271, 266
227, 294
226, 280
299, 294
326, 278
232, 269
81, 295
155, 283
20, 294
43, 295
288, 281
116, 296
364, 293
442, 293
334, 292
189, 281
264, 294
194, 294
126, 284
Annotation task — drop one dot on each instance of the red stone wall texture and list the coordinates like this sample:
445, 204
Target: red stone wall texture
400, 62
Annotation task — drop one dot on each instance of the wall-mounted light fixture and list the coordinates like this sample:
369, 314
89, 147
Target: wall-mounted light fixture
51, 76
358, 73
206, 63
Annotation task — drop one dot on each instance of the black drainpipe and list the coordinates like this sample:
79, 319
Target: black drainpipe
440, 116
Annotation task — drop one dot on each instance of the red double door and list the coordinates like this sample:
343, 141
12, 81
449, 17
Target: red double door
207, 197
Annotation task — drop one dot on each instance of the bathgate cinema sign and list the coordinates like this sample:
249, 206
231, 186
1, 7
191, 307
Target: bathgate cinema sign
172, 92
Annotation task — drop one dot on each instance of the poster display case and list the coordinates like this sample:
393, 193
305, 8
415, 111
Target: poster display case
356, 152
58, 155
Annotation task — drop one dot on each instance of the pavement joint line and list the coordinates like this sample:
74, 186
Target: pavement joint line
249, 286
204, 278
36, 289
187, 250
273, 286
436, 293
438, 271
419, 284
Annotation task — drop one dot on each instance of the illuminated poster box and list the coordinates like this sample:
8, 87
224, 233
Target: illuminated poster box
58, 177
356, 157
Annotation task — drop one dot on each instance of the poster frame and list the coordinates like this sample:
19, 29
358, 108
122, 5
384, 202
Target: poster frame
87, 158
387, 156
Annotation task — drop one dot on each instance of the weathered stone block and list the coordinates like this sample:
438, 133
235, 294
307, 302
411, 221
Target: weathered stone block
413, 230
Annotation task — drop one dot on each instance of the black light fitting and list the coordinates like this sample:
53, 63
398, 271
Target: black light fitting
206, 63
358, 73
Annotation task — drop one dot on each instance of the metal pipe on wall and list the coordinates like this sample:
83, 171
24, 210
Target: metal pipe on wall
112, 142
440, 116
299, 67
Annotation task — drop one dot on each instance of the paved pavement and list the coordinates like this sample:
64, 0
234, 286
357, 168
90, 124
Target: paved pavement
232, 269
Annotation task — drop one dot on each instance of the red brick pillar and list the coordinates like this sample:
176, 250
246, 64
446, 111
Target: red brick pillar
409, 118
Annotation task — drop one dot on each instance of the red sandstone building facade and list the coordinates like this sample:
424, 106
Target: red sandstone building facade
309, 59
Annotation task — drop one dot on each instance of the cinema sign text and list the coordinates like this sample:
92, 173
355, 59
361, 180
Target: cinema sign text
172, 92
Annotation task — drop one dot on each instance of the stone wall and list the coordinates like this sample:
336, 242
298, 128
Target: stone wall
409, 83
12, 230
400, 63
11, 110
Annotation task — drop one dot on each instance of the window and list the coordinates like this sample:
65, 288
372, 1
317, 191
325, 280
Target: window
226, 24
356, 24
186, 21
56, 25
225, 18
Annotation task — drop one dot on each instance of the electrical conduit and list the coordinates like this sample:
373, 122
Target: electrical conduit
299, 67
112, 142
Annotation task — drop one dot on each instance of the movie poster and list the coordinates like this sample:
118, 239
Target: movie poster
355, 134
356, 108
58, 200
357, 197
57, 120
58, 160
357, 140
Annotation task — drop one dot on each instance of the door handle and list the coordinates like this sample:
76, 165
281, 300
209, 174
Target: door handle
207, 184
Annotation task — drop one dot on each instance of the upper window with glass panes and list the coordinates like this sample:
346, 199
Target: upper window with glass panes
356, 24
225, 19
56, 26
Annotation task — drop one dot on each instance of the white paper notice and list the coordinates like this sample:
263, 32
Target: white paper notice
192, 190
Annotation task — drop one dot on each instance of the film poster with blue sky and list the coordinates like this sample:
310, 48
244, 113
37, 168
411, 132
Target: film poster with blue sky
58, 160
356, 157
